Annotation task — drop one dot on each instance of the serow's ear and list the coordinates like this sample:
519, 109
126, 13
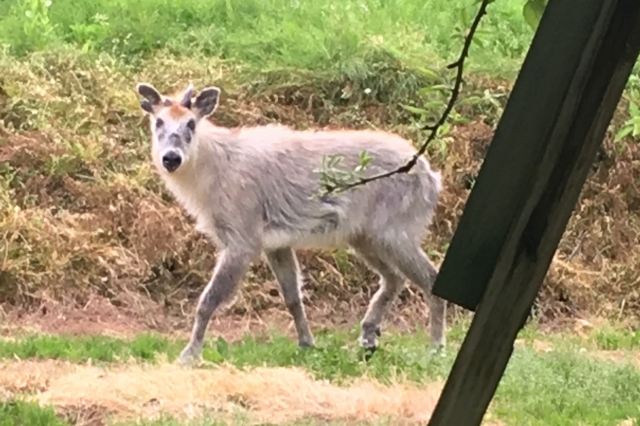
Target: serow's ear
206, 102
151, 95
186, 97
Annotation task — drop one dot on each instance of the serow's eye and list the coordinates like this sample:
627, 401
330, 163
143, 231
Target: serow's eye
191, 124
159, 123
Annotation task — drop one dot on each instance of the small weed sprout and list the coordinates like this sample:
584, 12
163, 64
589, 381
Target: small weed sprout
38, 28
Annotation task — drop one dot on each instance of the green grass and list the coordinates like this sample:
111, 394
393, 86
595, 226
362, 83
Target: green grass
606, 337
99, 348
335, 35
566, 389
336, 357
20, 413
558, 388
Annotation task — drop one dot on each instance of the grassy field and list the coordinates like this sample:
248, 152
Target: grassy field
565, 379
330, 35
95, 252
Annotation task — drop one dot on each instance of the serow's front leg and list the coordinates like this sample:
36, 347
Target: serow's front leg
228, 272
284, 265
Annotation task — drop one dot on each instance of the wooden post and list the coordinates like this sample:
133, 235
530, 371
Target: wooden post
563, 100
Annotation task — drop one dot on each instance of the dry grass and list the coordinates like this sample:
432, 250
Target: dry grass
617, 356
276, 395
82, 212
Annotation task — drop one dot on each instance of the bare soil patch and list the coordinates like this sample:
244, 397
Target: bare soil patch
100, 317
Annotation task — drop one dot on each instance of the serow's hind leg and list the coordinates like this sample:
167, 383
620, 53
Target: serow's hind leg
413, 263
390, 285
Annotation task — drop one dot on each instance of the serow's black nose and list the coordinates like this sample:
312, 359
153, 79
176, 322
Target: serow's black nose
171, 161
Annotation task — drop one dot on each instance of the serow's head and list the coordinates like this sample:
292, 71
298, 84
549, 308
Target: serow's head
174, 123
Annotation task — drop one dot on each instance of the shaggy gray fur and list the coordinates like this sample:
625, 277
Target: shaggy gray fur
252, 191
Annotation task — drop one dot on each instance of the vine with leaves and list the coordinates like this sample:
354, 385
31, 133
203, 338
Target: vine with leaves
333, 179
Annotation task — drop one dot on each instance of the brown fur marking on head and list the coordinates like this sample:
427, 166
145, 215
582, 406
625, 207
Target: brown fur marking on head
177, 111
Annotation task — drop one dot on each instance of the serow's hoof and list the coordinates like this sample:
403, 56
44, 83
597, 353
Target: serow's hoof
368, 352
305, 344
370, 345
190, 358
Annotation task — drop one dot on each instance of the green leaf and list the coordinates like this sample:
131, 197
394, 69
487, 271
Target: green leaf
222, 347
414, 110
426, 90
429, 74
444, 129
334, 160
532, 12
462, 120
434, 104
212, 355
464, 17
625, 131
477, 41
470, 100
441, 87
365, 158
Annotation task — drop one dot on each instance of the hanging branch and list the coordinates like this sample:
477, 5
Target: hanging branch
455, 92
